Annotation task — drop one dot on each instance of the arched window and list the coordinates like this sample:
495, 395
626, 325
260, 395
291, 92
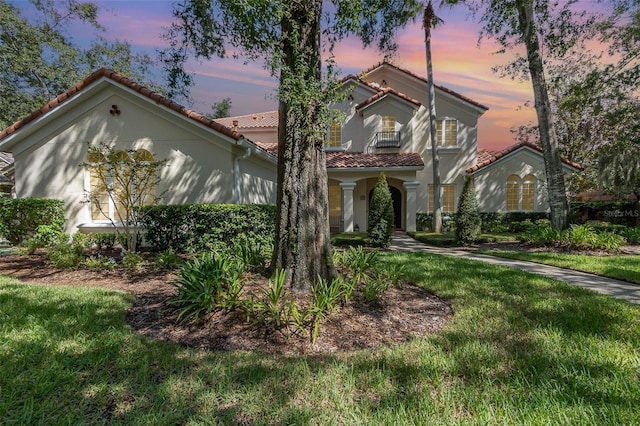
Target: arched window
513, 193
120, 182
145, 182
521, 193
528, 192
99, 186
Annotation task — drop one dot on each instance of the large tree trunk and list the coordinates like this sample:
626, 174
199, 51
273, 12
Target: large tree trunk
302, 245
431, 96
548, 140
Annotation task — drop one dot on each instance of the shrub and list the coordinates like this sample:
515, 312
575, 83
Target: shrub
542, 234
357, 261
609, 241
467, 218
380, 221
168, 260
103, 240
632, 235
21, 217
581, 237
276, 308
193, 228
132, 261
100, 262
206, 284
253, 254
45, 236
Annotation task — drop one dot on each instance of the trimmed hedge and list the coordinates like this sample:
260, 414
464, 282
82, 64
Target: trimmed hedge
490, 220
20, 217
191, 228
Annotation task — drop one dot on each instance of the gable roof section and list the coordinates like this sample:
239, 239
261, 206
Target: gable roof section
386, 63
267, 119
380, 92
124, 81
359, 160
486, 158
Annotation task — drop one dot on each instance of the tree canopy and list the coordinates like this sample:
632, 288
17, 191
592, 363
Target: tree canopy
39, 60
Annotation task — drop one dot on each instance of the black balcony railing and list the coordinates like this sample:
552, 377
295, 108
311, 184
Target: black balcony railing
388, 140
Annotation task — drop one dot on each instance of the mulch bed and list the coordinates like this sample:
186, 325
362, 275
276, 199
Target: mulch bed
404, 313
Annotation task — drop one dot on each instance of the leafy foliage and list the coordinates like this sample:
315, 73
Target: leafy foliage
207, 283
220, 109
380, 221
200, 227
68, 255
577, 237
39, 60
21, 217
467, 218
129, 180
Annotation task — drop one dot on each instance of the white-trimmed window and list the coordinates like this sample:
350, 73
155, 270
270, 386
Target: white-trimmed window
521, 193
447, 132
112, 191
448, 198
335, 134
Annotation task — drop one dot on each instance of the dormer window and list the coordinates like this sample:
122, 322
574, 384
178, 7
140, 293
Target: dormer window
447, 132
335, 134
388, 137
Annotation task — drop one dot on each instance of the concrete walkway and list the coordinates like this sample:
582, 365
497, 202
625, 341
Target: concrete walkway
609, 286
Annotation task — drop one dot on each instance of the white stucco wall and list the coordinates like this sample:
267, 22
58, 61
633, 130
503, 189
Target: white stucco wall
199, 160
491, 181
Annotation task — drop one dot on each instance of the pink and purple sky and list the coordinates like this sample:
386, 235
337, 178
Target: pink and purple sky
459, 64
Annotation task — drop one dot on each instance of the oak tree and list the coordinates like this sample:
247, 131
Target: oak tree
289, 37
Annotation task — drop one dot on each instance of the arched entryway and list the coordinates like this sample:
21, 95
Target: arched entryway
396, 197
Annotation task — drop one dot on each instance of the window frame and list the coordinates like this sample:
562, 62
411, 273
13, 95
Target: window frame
98, 215
442, 133
335, 129
521, 193
446, 198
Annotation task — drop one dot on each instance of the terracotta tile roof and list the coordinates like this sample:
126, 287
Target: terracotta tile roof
487, 157
444, 89
260, 119
484, 155
342, 160
270, 147
382, 92
121, 79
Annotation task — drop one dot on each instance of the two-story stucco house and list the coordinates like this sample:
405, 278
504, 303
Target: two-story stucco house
386, 129
233, 160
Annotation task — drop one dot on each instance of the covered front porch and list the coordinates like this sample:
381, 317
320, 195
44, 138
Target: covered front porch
349, 201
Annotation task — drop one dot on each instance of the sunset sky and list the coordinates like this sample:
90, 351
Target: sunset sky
459, 64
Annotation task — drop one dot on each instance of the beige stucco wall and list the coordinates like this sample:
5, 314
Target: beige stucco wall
491, 181
199, 166
453, 161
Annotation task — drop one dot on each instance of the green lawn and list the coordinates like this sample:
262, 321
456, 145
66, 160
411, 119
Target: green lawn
625, 268
521, 349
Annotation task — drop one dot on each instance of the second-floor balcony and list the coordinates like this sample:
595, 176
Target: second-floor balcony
387, 140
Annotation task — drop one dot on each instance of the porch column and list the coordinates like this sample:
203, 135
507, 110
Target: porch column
347, 205
411, 188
